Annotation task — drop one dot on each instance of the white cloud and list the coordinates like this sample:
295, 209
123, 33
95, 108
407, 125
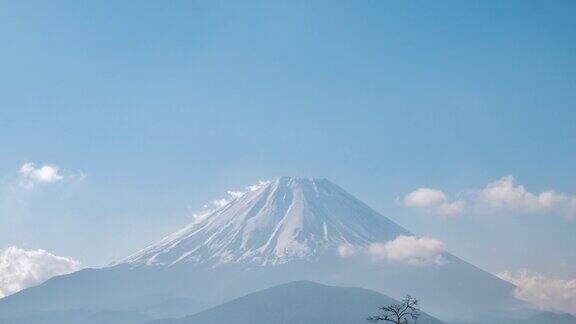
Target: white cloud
20, 268
505, 195
31, 175
403, 249
544, 293
434, 202
409, 249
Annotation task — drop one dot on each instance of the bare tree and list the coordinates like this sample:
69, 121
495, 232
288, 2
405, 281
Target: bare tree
398, 313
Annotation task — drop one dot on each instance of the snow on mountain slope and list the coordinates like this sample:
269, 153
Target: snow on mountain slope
273, 223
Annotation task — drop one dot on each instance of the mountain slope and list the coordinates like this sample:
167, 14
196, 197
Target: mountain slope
297, 302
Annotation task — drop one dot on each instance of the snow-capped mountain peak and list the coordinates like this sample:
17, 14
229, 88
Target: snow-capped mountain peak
274, 222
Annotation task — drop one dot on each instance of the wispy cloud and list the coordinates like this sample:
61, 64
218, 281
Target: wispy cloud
502, 195
544, 293
231, 196
21, 269
235, 194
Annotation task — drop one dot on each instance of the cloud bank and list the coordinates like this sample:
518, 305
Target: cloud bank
403, 249
505, 195
544, 293
502, 195
21, 269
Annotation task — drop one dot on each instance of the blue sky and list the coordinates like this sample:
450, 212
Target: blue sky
150, 110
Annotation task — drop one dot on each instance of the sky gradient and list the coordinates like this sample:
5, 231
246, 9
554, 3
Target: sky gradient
151, 110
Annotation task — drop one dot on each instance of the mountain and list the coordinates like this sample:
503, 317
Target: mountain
298, 302
275, 223
284, 230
